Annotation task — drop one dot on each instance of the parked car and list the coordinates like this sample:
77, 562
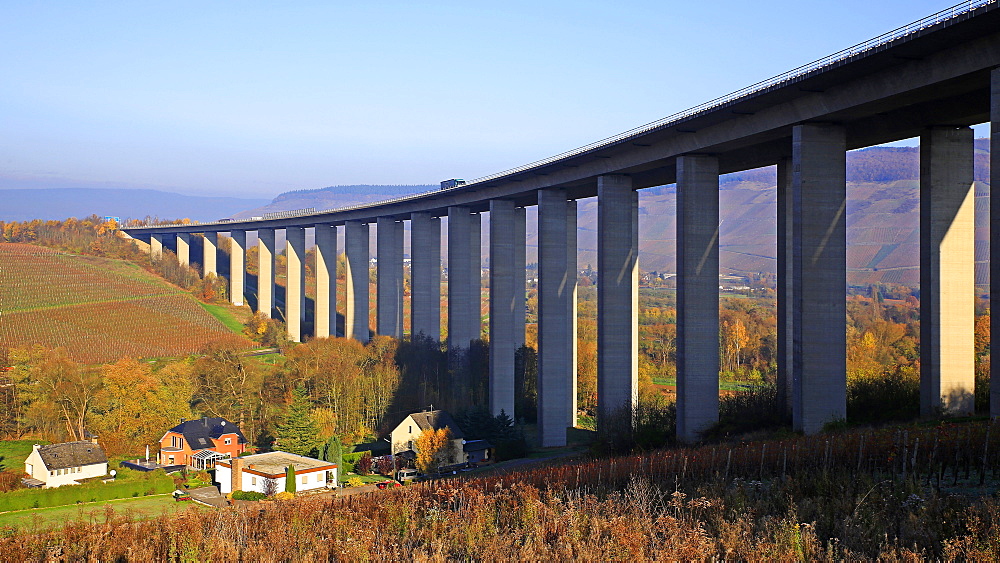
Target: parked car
407, 474
388, 483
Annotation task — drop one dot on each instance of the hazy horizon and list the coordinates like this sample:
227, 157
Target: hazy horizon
253, 100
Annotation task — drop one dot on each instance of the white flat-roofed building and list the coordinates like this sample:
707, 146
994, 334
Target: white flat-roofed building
252, 472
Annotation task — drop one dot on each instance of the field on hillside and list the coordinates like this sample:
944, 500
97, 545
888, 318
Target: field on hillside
99, 309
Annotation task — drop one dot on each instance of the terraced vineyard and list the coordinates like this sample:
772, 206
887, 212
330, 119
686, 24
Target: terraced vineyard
98, 309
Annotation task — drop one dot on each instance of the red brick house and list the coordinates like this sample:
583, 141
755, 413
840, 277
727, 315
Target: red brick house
201, 442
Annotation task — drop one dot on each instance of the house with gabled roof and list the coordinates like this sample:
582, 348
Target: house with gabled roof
67, 463
199, 443
405, 435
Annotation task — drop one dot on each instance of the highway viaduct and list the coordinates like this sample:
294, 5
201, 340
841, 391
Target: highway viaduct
932, 79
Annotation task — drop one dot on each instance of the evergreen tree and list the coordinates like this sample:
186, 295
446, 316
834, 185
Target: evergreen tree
290, 479
333, 451
298, 432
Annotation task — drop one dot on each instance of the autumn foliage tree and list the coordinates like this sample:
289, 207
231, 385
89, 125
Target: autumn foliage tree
135, 405
434, 449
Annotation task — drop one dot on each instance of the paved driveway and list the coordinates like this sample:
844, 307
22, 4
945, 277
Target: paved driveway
209, 496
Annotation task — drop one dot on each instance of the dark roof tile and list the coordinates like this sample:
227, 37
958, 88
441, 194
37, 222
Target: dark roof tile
200, 432
71, 454
436, 420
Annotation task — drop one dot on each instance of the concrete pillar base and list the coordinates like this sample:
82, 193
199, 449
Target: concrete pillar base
947, 272
325, 319
819, 309
356, 251
697, 295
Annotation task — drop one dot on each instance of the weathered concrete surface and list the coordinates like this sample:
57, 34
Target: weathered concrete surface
617, 299
356, 324
389, 280
237, 266
325, 323
209, 254
947, 272
476, 275
156, 246
571, 328
265, 271
819, 161
184, 249
460, 323
785, 283
697, 295
425, 275
995, 246
502, 279
519, 283
295, 311
554, 354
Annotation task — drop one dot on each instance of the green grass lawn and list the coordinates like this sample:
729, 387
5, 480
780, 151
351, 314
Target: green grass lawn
138, 508
13, 453
723, 385
225, 316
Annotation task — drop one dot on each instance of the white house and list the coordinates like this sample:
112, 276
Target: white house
404, 436
252, 472
56, 465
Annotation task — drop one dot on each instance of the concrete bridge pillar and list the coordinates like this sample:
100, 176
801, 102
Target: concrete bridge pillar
819, 309
295, 311
785, 214
697, 295
237, 266
155, 247
947, 271
520, 266
995, 247
209, 254
503, 275
476, 275
555, 368
356, 251
617, 298
184, 249
572, 281
425, 275
389, 283
265, 271
460, 259
325, 317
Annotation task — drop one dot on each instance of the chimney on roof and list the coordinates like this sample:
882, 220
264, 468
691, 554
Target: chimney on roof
93, 439
236, 475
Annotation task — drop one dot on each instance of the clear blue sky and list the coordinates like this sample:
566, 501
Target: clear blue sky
253, 99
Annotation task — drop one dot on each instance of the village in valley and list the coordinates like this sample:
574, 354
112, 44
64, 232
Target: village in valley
424, 445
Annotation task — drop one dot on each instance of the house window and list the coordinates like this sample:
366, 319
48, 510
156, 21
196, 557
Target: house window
52, 473
253, 480
410, 444
229, 441
319, 477
305, 479
171, 459
409, 430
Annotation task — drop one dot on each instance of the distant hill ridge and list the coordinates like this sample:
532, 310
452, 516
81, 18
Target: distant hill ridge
61, 203
882, 217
